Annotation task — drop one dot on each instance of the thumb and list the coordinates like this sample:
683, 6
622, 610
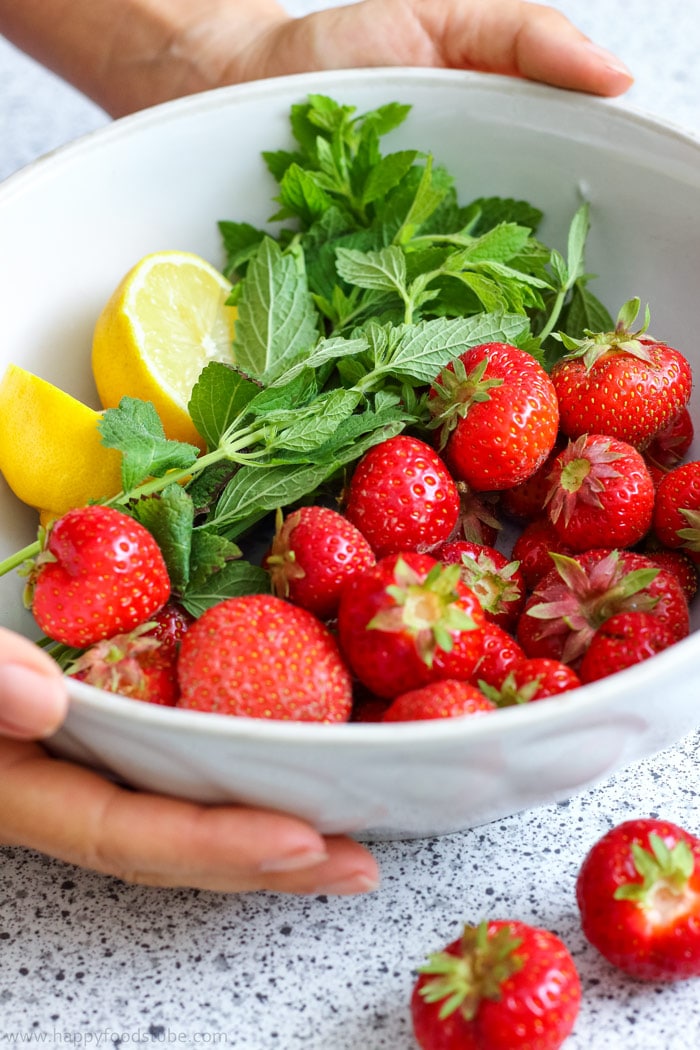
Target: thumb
510, 37
33, 698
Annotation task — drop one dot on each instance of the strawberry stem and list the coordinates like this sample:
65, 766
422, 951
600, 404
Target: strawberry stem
19, 557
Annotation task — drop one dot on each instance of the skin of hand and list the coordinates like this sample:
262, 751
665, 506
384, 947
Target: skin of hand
78, 816
126, 55
129, 54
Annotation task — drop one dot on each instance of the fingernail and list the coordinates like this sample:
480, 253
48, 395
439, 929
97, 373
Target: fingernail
294, 861
30, 704
359, 883
611, 61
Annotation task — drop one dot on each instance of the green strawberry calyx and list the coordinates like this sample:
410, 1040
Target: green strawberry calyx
622, 339
510, 693
691, 534
427, 607
460, 981
456, 390
665, 873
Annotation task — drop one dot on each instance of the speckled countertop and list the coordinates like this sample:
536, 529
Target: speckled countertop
89, 961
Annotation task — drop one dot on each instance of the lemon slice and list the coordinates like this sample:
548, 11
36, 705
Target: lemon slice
51, 454
164, 322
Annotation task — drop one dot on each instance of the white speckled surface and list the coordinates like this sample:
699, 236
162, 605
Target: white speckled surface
86, 960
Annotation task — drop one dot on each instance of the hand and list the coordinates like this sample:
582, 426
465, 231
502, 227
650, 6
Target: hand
129, 54
76, 815
509, 37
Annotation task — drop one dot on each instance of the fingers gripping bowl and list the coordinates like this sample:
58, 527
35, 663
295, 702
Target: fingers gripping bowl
75, 222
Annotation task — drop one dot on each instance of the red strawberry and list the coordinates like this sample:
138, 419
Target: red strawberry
525, 501
668, 447
501, 985
401, 497
581, 593
624, 640
601, 494
262, 657
532, 679
677, 562
500, 653
101, 574
314, 551
677, 509
141, 664
638, 892
533, 549
623, 383
448, 699
496, 581
496, 412
408, 621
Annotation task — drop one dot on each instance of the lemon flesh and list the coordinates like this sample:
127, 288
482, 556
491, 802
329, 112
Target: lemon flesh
165, 321
51, 454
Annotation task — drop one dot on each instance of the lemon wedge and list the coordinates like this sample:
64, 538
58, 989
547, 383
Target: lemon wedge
165, 321
51, 454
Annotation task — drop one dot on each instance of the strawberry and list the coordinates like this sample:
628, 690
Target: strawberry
601, 494
677, 509
622, 383
501, 985
495, 409
532, 679
533, 549
623, 640
525, 501
677, 562
314, 551
401, 497
408, 621
262, 657
580, 593
496, 581
668, 447
500, 653
638, 892
100, 574
141, 664
447, 699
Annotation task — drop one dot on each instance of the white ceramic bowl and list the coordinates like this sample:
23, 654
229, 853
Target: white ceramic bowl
73, 223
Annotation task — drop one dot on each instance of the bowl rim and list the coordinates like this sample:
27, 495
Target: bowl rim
591, 697
215, 98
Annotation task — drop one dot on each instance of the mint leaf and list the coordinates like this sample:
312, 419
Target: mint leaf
486, 212
256, 490
134, 427
429, 194
277, 318
210, 553
169, 518
386, 174
576, 242
235, 579
384, 270
313, 426
219, 396
240, 241
500, 243
302, 196
325, 351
